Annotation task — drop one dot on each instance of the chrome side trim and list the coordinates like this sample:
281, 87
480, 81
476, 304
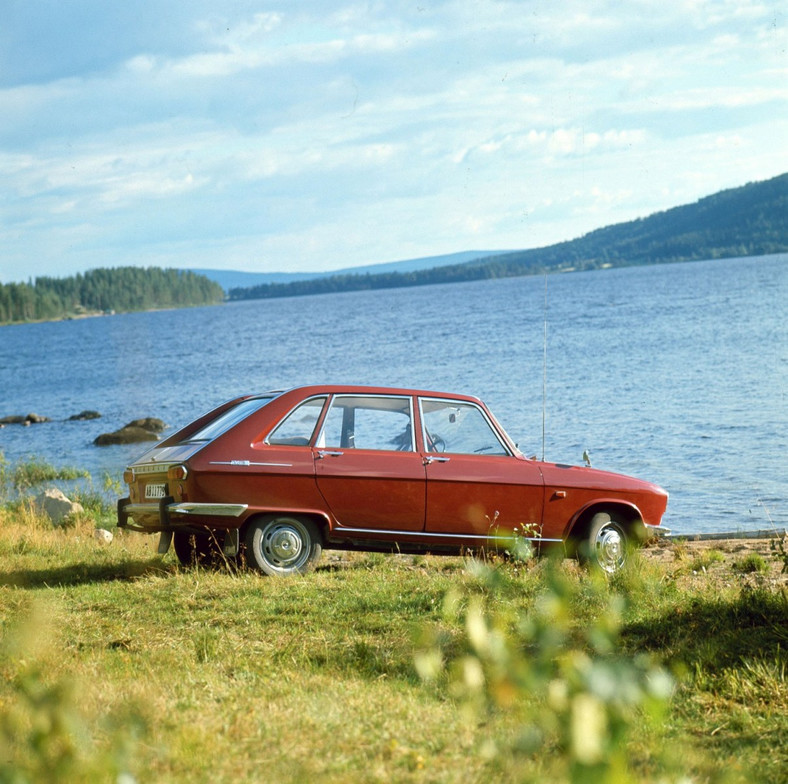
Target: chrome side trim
246, 463
438, 535
210, 510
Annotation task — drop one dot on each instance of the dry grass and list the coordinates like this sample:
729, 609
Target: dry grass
192, 675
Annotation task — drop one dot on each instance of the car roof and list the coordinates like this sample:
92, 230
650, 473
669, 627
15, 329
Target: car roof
359, 389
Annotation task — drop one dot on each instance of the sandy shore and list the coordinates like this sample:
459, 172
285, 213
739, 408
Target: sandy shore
724, 559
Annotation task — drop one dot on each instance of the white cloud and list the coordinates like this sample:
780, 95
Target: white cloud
322, 135
725, 97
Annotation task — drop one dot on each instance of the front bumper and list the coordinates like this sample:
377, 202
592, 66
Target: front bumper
167, 514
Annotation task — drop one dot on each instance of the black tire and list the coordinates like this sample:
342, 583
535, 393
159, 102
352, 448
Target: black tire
607, 543
282, 546
196, 549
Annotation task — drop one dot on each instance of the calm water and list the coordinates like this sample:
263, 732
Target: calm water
675, 373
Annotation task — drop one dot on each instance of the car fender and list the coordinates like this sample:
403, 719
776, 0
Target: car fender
583, 515
324, 522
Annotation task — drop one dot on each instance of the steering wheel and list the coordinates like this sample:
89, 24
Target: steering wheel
436, 444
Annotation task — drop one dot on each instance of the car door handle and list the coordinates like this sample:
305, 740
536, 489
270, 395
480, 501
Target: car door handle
321, 453
435, 459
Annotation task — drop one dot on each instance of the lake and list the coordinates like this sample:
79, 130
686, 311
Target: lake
675, 373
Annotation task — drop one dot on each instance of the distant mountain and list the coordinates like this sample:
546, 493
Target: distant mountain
751, 220
748, 221
231, 279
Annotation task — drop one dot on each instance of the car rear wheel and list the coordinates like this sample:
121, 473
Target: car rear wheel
282, 546
196, 549
607, 543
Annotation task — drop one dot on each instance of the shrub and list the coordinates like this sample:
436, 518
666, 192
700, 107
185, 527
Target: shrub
780, 552
570, 689
751, 563
22, 477
704, 559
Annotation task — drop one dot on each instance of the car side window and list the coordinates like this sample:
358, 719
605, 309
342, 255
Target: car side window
297, 427
458, 428
369, 422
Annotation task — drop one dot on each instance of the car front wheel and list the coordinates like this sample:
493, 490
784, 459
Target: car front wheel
282, 546
607, 543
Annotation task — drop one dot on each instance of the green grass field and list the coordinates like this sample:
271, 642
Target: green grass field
119, 665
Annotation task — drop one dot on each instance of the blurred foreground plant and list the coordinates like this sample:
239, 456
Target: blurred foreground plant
569, 688
43, 736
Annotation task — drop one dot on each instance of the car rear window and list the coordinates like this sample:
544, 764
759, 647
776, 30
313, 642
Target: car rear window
228, 419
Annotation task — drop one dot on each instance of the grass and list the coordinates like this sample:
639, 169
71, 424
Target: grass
35, 471
116, 661
751, 563
699, 562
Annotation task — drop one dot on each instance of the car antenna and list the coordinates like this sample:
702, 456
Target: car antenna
544, 370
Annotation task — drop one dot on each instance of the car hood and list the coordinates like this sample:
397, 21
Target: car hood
563, 475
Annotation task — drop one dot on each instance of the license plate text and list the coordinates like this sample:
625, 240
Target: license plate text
155, 491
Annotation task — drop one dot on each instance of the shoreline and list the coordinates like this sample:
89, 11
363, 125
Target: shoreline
103, 313
754, 562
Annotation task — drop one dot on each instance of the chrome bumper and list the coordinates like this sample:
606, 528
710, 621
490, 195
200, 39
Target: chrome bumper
159, 516
656, 531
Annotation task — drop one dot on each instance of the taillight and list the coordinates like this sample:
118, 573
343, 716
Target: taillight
177, 472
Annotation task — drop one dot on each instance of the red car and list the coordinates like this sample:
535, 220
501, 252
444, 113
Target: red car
279, 476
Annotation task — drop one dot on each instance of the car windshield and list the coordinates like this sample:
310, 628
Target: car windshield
228, 419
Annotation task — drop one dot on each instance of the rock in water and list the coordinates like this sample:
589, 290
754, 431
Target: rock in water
126, 435
149, 423
138, 430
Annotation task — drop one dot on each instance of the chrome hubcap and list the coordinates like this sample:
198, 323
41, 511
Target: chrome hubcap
283, 545
609, 547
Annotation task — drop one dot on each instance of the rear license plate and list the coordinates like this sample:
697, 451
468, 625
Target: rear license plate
155, 491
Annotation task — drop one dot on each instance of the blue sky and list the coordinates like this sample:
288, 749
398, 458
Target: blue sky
310, 135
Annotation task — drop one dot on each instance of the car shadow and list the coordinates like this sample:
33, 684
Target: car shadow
718, 632
84, 574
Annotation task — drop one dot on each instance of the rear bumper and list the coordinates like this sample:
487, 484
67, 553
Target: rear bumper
167, 514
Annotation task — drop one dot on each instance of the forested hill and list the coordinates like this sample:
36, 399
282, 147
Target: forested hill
104, 290
748, 221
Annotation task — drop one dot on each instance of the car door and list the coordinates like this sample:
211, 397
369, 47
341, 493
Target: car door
475, 483
367, 466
